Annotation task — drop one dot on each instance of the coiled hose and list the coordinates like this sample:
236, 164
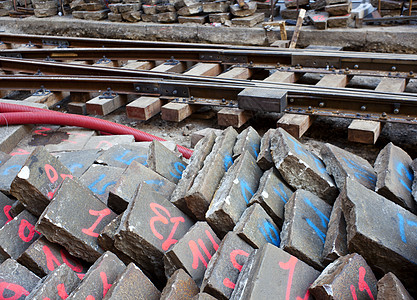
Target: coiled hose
14, 114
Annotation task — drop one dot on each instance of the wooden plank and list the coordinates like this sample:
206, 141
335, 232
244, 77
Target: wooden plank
81, 96
235, 117
139, 65
143, 108
296, 125
363, 131
48, 99
106, 63
237, 73
283, 77
391, 85
333, 80
104, 106
176, 112
79, 108
297, 29
177, 68
205, 69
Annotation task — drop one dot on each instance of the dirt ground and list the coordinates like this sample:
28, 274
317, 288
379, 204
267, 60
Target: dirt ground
323, 130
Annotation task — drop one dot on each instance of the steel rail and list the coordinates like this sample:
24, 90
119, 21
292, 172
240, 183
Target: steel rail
317, 59
62, 69
304, 99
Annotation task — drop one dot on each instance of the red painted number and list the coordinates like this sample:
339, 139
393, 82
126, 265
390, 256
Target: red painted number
53, 176
20, 152
227, 282
197, 255
61, 291
18, 291
24, 224
106, 286
42, 130
51, 260
100, 214
103, 143
290, 266
319, 18
6, 210
362, 285
160, 218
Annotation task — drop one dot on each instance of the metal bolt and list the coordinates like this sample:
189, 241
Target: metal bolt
396, 111
155, 89
393, 68
202, 56
290, 109
358, 114
321, 104
384, 114
137, 88
347, 69
192, 98
223, 100
356, 67
174, 92
363, 107
291, 100
309, 108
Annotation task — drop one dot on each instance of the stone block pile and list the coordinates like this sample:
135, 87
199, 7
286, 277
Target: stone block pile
89, 9
331, 13
246, 217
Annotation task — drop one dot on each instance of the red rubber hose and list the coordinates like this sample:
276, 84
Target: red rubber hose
13, 114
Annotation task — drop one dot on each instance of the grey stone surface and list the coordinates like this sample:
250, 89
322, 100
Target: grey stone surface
247, 140
391, 288
165, 162
36, 183
414, 186
387, 246
77, 162
395, 177
179, 286
216, 164
335, 244
151, 225
264, 159
291, 277
257, 228
341, 164
10, 136
99, 278
5, 206
224, 267
42, 257
272, 194
215, 6
201, 150
75, 139
61, 282
100, 179
339, 9
192, 252
123, 192
304, 231
293, 3
301, 168
9, 170
106, 239
234, 193
17, 235
132, 284
237, 11
75, 232
123, 155
348, 277
4, 157
17, 279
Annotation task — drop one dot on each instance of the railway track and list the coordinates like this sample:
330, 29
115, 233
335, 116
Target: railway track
269, 84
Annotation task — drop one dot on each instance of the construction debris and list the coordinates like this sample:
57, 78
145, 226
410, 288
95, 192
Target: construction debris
252, 224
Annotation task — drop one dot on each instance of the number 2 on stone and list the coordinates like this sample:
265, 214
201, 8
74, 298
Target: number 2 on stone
160, 218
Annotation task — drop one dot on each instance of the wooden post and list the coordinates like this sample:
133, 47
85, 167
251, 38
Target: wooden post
297, 29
